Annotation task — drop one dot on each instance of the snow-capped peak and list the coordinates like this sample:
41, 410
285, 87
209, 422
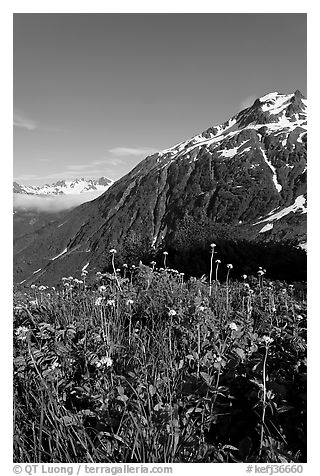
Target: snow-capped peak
65, 187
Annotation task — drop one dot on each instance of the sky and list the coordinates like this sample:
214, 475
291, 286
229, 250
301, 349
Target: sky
94, 94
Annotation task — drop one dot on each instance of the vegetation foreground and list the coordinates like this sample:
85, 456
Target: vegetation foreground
142, 366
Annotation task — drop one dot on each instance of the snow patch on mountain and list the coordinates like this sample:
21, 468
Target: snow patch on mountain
60, 254
273, 170
267, 227
299, 205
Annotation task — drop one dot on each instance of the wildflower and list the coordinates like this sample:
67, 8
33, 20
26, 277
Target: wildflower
64, 278
18, 308
55, 365
202, 308
229, 266
260, 272
113, 251
217, 358
111, 302
247, 285
284, 291
218, 261
299, 317
33, 303
33, 286
244, 276
118, 270
172, 312
129, 302
133, 266
267, 339
107, 361
98, 301
98, 273
42, 288
233, 326
165, 253
125, 265
213, 245
102, 289
70, 278
21, 332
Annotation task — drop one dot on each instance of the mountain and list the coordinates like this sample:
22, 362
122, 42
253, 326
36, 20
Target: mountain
65, 187
241, 184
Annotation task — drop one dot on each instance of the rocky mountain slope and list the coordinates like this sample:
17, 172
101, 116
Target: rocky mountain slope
243, 180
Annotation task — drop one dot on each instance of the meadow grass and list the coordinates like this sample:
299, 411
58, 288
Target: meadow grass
143, 366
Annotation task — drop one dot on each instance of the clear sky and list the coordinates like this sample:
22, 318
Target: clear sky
95, 93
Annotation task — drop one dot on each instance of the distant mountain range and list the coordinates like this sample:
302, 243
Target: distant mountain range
65, 187
243, 181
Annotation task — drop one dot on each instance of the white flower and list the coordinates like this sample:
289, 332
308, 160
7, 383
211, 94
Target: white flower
70, 278
267, 339
98, 301
33, 286
113, 251
201, 308
107, 361
111, 302
125, 265
102, 289
244, 276
260, 272
172, 312
33, 303
233, 326
213, 245
21, 332
55, 365
229, 266
129, 301
218, 261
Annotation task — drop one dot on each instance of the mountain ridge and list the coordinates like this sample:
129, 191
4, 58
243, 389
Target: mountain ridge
65, 187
